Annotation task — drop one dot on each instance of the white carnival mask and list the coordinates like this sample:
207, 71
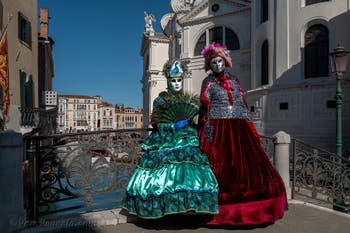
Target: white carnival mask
217, 64
175, 83
175, 79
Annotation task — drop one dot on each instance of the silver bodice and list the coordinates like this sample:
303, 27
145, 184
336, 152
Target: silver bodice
220, 106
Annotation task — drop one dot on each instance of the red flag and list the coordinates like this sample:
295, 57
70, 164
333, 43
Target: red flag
4, 78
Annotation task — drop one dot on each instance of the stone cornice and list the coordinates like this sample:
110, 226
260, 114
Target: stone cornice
211, 17
154, 72
146, 39
300, 85
236, 3
241, 2
194, 12
158, 39
204, 4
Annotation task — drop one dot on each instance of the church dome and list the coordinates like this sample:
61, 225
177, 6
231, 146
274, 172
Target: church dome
180, 6
165, 20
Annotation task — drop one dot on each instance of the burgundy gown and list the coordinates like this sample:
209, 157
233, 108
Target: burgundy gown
251, 192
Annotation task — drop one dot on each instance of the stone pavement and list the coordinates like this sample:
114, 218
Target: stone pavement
300, 218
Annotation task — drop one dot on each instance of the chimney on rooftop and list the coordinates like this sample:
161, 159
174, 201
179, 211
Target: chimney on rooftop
44, 23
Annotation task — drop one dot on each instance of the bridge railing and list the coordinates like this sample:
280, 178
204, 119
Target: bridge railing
320, 177
69, 173
79, 172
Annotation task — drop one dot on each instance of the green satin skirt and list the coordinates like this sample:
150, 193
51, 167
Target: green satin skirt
172, 179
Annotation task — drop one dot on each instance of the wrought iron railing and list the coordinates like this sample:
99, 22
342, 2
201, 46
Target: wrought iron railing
269, 147
30, 117
320, 177
39, 118
84, 171
81, 171
89, 171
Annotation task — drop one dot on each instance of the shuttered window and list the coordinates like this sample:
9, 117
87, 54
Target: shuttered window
24, 30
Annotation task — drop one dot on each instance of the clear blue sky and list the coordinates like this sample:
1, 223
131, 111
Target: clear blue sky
97, 46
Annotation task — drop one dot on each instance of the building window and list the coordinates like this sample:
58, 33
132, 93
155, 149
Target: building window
222, 35
216, 35
316, 51
215, 7
200, 45
310, 2
27, 90
265, 63
231, 39
284, 106
264, 11
331, 104
24, 30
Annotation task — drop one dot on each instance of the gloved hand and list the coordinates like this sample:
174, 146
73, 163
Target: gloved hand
181, 124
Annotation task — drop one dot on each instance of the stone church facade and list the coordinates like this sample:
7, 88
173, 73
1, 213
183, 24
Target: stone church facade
279, 52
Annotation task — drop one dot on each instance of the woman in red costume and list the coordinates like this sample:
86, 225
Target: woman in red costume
251, 192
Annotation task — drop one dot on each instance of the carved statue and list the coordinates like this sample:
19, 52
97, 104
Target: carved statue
149, 19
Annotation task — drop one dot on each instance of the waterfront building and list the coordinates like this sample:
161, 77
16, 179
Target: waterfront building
106, 116
78, 113
19, 87
128, 117
27, 102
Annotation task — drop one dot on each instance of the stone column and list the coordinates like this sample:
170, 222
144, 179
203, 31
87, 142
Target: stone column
12, 215
185, 42
282, 142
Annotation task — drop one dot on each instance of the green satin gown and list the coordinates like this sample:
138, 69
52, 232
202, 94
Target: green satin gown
172, 177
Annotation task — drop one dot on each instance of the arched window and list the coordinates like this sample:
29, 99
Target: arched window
231, 39
216, 35
222, 35
200, 45
316, 51
265, 63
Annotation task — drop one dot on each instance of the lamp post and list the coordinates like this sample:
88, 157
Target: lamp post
339, 61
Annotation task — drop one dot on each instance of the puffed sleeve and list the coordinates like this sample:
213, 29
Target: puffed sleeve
204, 97
156, 104
159, 100
205, 102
